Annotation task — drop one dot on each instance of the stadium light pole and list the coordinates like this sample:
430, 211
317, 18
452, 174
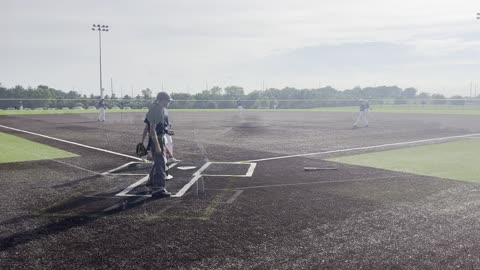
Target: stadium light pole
100, 29
478, 18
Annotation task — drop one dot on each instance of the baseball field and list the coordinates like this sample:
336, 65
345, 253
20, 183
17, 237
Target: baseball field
401, 193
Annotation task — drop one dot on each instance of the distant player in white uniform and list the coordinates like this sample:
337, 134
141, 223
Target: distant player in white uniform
362, 114
240, 105
101, 107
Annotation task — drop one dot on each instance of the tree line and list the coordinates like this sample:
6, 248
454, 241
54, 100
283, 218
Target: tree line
43, 96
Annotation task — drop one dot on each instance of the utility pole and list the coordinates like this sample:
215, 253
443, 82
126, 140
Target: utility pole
471, 83
100, 29
478, 18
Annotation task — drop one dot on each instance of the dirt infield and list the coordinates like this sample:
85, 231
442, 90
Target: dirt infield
65, 213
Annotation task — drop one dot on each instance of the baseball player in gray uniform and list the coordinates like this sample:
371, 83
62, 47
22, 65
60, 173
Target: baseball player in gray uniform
157, 130
362, 115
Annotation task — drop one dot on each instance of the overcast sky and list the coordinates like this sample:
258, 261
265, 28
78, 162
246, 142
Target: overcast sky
433, 45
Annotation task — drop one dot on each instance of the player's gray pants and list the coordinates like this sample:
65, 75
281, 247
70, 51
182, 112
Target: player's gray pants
101, 114
362, 117
158, 173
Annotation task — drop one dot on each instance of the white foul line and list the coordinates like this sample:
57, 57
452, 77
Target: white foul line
364, 147
73, 143
235, 196
198, 174
80, 168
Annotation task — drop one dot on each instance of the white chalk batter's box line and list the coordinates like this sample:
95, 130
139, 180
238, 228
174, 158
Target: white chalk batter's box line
112, 171
249, 173
196, 176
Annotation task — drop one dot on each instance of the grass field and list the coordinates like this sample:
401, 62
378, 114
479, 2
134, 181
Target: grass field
47, 112
15, 149
453, 160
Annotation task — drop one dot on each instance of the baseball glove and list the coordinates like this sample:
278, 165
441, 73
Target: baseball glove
140, 150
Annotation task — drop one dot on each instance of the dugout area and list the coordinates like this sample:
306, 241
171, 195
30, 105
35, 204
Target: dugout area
252, 205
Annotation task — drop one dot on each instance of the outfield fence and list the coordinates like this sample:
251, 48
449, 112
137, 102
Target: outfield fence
82, 104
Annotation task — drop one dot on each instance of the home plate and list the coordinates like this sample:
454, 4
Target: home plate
186, 168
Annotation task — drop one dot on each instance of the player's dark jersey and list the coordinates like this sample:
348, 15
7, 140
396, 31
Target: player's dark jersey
161, 129
364, 106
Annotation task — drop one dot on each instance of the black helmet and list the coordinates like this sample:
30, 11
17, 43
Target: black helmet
164, 96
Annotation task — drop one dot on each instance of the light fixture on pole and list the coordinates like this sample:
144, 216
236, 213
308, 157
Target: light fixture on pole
100, 29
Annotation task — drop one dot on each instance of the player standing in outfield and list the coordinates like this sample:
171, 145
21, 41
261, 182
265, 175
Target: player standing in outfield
362, 115
157, 130
240, 105
101, 107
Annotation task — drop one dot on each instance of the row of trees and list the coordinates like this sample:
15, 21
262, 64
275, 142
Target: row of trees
289, 97
43, 96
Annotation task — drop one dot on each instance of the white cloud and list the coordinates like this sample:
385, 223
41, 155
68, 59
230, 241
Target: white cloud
186, 43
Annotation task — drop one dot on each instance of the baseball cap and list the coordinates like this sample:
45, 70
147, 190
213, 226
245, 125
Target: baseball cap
164, 96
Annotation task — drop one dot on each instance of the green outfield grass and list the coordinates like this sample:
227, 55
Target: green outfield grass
15, 149
411, 110
34, 112
456, 110
454, 160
